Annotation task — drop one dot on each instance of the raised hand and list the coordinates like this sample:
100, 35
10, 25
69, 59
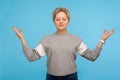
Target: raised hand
107, 34
18, 32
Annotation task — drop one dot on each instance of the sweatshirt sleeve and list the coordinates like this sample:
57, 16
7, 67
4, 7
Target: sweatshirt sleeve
31, 54
87, 53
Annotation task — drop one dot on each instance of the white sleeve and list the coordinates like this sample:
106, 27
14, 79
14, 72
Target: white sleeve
40, 50
82, 48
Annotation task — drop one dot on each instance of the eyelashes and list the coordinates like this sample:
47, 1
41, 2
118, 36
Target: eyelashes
60, 19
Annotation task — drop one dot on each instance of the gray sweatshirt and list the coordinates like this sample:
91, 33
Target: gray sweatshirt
61, 50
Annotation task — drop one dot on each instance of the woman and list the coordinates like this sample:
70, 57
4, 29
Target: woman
61, 48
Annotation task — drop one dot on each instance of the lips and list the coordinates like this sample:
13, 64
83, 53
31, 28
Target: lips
61, 25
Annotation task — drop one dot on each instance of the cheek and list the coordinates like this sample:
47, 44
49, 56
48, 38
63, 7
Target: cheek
56, 23
66, 22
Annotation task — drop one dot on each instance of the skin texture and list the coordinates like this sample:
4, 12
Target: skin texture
61, 21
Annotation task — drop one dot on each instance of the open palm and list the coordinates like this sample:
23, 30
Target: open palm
107, 34
18, 32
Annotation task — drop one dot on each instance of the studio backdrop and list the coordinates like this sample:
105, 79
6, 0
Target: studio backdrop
89, 18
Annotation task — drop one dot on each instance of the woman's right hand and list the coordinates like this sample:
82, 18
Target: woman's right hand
18, 32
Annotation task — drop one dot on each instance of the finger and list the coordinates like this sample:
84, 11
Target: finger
111, 32
20, 30
105, 31
14, 29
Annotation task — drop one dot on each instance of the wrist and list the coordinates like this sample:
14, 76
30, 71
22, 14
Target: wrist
102, 41
23, 41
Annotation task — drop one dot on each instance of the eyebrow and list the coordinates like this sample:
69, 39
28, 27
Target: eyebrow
59, 17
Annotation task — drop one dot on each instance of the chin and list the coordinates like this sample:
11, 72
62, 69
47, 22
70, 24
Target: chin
61, 28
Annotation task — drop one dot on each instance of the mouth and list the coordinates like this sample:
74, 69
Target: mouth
61, 25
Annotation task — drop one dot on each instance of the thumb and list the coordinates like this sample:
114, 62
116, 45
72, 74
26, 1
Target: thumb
20, 30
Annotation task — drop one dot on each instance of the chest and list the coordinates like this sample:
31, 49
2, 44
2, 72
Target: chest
62, 45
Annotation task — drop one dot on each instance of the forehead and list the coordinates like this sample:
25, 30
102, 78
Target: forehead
61, 14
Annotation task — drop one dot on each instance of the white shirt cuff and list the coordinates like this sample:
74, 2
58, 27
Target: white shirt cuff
82, 48
40, 50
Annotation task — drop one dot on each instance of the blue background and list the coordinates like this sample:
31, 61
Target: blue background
88, 20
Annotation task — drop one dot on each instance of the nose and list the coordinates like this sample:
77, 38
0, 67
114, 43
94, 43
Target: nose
61, 21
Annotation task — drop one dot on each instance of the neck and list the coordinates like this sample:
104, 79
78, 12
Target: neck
61, 31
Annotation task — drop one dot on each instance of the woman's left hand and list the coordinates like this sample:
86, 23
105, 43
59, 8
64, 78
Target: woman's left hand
107, 34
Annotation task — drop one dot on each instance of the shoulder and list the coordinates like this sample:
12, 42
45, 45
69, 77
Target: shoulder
76, 37
45, 39
48, 36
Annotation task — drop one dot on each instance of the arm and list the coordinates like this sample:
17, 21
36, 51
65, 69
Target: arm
93, 55
31, 54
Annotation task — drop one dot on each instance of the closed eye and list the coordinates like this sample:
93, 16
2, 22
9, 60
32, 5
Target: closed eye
64, 19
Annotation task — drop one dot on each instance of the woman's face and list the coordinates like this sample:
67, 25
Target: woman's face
61, 21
